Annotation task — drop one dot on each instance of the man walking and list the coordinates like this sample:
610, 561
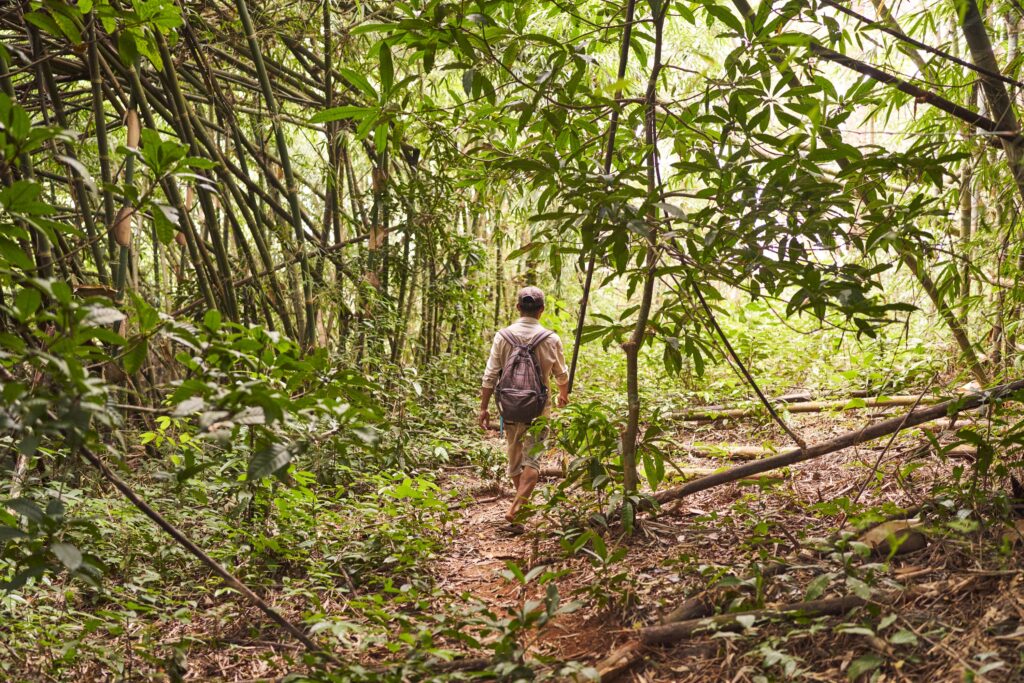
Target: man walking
525, 335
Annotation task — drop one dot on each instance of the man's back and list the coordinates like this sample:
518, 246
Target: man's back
549, 352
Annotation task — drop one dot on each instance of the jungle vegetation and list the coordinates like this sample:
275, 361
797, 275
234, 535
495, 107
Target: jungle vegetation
252, 255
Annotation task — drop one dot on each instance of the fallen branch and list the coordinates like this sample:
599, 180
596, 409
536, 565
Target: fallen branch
195, 550
630, 653
710, 414
884, 428
670, 633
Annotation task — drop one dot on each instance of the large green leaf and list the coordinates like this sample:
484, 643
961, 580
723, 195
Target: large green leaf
268, 460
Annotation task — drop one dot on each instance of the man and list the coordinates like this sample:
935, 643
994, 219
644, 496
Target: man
524, 448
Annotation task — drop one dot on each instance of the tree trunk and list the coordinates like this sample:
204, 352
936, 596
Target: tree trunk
633, 345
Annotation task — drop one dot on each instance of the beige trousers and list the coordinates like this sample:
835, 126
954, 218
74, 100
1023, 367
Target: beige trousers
525, 447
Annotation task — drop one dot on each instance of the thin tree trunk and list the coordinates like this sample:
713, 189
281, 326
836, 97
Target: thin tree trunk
613, 127
633, 345
1000, 106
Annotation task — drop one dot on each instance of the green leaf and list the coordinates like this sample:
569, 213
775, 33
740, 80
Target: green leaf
165, 223
68, 554
268, 460
359, 81
26, 302
44, 22
903, 637
340, 113
816, 588
862, 665
212, 320
26, 508
387, 69
12, 254
135, 357
725, 16
373, 28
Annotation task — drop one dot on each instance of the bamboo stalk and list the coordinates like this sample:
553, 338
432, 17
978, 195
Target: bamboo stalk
184, 125
48, 86
282, 149
102, 144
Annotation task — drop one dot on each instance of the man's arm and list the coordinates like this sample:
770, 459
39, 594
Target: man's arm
490, 378
560, 371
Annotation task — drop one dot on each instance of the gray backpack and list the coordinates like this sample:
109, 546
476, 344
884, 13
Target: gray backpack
521, 393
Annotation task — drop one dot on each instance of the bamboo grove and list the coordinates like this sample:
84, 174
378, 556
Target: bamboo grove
224, 215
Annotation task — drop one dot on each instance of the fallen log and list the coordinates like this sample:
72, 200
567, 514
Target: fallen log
852, 438
712, 414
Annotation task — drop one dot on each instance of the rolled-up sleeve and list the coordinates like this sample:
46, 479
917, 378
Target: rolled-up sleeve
559, 370
494, 364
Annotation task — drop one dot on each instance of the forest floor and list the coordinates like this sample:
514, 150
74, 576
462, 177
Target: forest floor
741, 546
962, 617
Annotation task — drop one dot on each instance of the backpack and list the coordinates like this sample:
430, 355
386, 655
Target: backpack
521, 393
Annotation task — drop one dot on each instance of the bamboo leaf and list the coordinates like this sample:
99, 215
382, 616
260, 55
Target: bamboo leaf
387, 69
359, 81
341, 113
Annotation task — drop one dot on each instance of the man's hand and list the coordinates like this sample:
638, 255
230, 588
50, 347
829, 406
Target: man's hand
563, 397
484, 416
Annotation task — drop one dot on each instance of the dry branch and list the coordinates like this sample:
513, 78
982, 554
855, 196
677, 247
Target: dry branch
196, 551
709, 414
630, 653
852, 438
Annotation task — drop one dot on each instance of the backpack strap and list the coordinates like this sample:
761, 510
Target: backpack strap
510, 338
541, 336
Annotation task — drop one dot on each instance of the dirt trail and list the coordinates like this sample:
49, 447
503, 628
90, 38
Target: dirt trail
483, 544
663, 557
480, 549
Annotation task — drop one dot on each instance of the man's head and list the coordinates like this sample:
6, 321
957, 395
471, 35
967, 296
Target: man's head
530, 301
